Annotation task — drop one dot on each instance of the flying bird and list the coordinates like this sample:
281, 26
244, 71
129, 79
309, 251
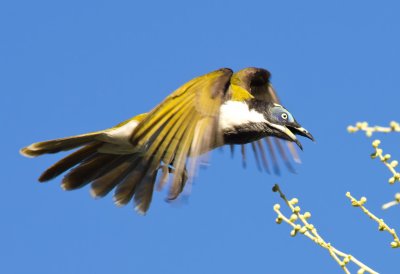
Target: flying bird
216, 109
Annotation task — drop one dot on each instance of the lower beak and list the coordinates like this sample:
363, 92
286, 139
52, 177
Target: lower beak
290, 133
298, 144
291, 136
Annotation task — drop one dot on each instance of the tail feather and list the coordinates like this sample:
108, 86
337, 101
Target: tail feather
126, 189
131, 174
144, 193
57, 145
104, 184
90, 169
69, 161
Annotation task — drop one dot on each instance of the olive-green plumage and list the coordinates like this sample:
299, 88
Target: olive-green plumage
209, 111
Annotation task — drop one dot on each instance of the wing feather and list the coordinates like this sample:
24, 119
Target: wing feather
271, 150
161, 118
181, 155
256, 156
183, 126
264, 159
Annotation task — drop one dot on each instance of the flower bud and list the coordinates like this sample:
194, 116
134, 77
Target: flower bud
277, 206
376, 143
361, 271
293, 218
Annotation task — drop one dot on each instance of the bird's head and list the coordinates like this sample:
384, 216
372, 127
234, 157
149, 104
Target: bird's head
284, 125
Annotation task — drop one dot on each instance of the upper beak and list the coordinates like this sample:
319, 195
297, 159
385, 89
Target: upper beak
303, 132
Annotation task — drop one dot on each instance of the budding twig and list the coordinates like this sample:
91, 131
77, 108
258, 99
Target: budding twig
394, 127
310, 231
363, 126
382, 225
385, 159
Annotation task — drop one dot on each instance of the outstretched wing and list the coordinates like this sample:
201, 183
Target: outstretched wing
257, 82
185, 124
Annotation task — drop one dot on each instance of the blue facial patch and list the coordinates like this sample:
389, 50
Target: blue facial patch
281, 114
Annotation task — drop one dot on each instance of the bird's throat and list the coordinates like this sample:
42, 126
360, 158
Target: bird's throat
245, 133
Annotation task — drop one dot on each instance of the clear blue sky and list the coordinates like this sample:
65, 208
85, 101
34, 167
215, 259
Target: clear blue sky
77, 66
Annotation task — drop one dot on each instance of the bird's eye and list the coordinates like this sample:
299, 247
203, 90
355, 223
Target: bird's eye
284, 116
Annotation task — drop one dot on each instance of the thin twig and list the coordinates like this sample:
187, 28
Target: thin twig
310, 231
382, 225
363, 126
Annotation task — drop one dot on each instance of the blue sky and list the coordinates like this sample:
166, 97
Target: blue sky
76, 66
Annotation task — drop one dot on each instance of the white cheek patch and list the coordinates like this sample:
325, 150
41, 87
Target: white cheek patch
235, 113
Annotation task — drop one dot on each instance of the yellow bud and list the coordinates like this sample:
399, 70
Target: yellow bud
351, 129
359, 125
397, 176
394, 125
307, 215
392, 180
277, 206
361, 271
294, 201
296, 209
397, 197
303, 230
395, 244
381, 226
376, 143
346, 260
394, 163
364, 124
368, 133
310, 226
293, 218
278, 220
387, 157
363, 200
355, 203
293, 233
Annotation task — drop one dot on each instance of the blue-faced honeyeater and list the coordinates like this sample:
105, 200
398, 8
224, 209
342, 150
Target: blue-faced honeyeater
209, 111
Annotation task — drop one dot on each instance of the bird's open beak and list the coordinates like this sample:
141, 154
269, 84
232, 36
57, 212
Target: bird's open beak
289, 134
303, 132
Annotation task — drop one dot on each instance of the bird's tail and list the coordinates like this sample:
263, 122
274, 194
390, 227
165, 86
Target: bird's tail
127, 173
57, 145
87, 142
